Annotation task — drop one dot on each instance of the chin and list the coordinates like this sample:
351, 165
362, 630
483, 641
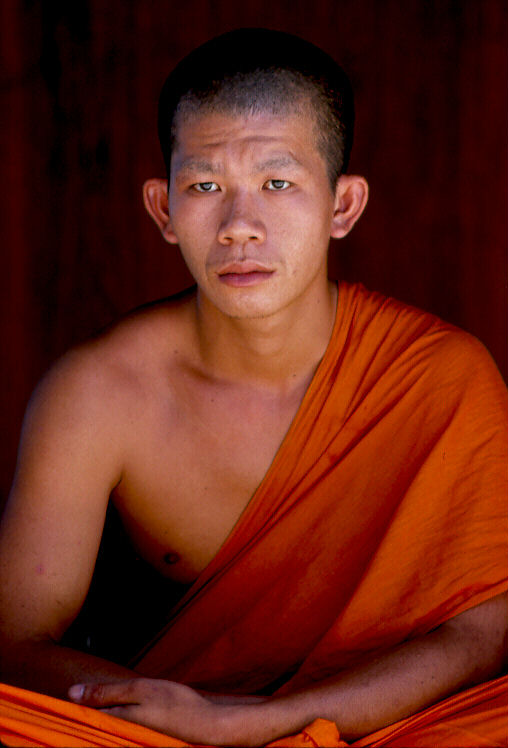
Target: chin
248, 307
250, 311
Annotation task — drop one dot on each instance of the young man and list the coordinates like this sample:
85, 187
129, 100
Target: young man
323, 466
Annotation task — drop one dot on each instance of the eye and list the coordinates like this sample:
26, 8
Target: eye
205, 187
277, 185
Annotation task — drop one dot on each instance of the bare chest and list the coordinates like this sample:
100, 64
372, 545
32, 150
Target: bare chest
190, 475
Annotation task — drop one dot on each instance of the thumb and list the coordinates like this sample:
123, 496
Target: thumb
103, 694
76, 692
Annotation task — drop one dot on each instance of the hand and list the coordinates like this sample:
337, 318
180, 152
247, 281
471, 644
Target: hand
168, 707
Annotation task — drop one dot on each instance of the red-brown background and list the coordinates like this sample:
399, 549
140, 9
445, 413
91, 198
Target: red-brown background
79, 86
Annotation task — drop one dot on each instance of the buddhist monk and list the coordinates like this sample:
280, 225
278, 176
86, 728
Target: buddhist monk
324, 468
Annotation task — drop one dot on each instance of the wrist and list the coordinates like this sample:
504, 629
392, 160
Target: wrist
238, 725
257, 724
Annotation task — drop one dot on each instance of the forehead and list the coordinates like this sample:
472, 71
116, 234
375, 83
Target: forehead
208, 136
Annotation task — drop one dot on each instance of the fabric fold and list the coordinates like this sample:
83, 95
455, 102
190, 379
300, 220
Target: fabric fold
382, 515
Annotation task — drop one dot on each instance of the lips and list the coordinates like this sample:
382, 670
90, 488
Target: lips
246, 273
244, 267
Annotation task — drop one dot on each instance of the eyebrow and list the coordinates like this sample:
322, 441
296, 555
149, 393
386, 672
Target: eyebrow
282, 161
192, 164
195, 165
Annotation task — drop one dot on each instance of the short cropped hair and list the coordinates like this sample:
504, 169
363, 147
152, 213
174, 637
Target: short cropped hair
248, 71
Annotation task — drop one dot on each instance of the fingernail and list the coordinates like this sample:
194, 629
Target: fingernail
76, 692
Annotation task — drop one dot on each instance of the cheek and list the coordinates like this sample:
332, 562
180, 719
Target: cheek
195, 230
193, 256
290, 218
308, 237
305, 223
190, 214
311, 210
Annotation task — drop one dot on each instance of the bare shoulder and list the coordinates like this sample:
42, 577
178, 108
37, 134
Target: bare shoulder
149, 337
77, 398
88, 410
102, 380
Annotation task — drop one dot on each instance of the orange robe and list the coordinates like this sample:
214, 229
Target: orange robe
382, 515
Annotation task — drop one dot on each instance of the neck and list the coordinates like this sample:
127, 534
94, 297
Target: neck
278, 352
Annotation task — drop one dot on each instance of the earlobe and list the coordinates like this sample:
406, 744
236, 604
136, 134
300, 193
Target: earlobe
351, 197
155, 198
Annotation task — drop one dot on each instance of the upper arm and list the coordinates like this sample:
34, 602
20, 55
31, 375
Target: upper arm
69, 461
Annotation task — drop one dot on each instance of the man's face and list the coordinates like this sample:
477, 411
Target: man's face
251, 207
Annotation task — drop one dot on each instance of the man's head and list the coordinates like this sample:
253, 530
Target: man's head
256, 129
250, 71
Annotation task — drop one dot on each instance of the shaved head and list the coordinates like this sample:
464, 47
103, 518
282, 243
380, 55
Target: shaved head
250, 71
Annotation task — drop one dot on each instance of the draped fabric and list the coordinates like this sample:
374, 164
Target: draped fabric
383, 514
80, 82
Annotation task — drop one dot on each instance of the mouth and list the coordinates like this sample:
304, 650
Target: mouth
246, 273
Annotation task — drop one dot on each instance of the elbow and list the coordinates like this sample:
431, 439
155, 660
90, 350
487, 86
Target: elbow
482, 635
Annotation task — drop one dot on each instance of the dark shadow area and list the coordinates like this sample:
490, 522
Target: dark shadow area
128, 601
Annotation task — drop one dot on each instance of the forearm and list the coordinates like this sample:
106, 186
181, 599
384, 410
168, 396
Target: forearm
226, 699
47, 667
384, 691
375, 694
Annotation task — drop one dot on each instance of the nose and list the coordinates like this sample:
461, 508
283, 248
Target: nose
241, 222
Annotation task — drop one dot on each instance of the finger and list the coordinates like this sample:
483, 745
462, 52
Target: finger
103, 694
124, 712
131, 713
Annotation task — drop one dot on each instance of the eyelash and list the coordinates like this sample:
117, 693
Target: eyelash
197, 187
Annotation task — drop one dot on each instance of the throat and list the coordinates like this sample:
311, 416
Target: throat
277, 352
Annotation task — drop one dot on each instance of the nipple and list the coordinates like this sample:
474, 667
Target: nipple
171, 558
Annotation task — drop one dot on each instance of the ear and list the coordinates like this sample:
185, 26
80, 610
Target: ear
155, 198
351, 195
